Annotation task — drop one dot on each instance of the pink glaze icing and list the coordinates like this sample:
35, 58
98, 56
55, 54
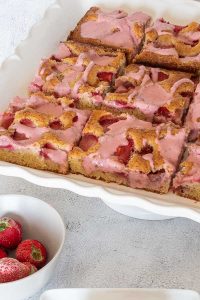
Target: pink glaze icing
62, 51
134, 75
87, 71
154, 94
103, 27
36, 84
154, 74
149, 157
192, 36
153, 181
51, 109
29, 132
162, 27
57, 156
190, 59
17, 103
93, 162
161, 51
101, 60
178, 83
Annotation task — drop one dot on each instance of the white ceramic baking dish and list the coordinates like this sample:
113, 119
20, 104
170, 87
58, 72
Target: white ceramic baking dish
18, 70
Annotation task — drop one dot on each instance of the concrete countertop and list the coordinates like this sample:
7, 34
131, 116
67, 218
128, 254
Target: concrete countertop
104, 248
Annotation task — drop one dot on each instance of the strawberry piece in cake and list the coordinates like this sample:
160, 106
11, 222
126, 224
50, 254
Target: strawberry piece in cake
42, 138
116, 29
193, 116
152, 94
172, 46
187, 180
79, 71
128, 151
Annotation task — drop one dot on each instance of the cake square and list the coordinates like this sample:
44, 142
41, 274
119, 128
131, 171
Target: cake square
152, 94
172, 46
79, 71
128, 151
116, 29
74, 65
42, 140
193, 117
187, 181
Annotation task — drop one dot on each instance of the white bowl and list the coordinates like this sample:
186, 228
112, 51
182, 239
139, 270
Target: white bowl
42, 222
119, 294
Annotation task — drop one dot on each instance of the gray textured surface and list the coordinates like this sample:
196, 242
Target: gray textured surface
103, 248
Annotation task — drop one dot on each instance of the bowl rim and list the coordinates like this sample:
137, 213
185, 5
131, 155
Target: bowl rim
58, 252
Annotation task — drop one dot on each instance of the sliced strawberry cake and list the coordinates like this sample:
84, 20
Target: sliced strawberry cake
116, 29
152, 94
79, 71
128, 151
172, 46
41, 139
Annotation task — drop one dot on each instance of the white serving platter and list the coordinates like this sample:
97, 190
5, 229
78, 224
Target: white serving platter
119, 294
18, 70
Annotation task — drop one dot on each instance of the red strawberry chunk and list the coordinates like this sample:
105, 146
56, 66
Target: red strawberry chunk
3, 253
49, 146
163, 21
32, 251
162, 76
120, 102
88, 141
123, 152
8, 147
10, 233
163, 111
56, 125
18, 136
147, 149
106, 121
44, 153
11, 270
32, 268
105, 76
75, 119
178, 28
71, 105
96, 94
7, 120
128, 85
27, 123
187, 94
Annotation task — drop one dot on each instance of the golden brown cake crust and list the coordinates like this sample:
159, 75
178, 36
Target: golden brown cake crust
31, 160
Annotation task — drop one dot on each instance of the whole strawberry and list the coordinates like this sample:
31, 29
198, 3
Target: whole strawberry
32, 268
32, 251
3, 253
11, 270
10, 233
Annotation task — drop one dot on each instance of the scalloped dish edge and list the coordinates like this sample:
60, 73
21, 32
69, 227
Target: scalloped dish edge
110, 193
